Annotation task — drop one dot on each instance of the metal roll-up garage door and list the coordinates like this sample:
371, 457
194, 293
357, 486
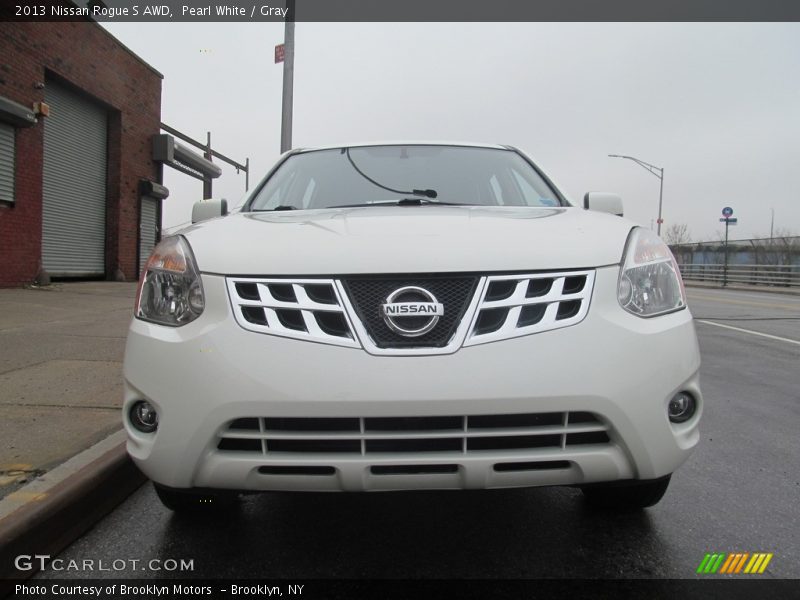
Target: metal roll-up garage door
74, 184
6, 162
148, 229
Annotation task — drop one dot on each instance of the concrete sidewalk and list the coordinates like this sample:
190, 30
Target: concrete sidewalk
61, 350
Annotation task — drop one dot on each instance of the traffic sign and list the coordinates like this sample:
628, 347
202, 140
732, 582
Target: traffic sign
729, 221
727, 211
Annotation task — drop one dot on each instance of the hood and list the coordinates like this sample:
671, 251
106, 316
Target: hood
407, 239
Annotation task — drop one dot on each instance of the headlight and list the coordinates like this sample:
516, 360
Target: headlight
170, 292
650, 283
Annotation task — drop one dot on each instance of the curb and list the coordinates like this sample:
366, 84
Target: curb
50, 513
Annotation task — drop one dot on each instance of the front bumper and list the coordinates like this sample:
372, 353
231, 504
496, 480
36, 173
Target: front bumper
621, 369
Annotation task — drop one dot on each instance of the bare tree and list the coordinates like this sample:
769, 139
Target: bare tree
777, 250
789, 238
777, 253
677, 234
677, 237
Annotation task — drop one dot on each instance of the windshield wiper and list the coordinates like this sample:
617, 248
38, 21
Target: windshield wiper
401, 202
425, 201
429, 193
277, 208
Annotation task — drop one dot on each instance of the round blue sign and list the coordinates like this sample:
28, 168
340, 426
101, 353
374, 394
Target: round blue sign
727, 211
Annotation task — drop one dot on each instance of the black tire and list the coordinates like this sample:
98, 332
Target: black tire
193, 501
634, 495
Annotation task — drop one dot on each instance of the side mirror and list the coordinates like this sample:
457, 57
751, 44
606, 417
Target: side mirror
603, 202
209, 209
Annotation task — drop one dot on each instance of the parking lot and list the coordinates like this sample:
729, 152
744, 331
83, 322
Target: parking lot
737, 493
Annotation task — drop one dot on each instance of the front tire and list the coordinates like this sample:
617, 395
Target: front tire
192, 501
626, 496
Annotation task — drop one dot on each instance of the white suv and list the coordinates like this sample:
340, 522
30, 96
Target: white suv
411, 316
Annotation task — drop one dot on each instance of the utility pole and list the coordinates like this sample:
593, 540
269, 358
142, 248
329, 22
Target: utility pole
288, 78
771, 224
207, 193
660, 200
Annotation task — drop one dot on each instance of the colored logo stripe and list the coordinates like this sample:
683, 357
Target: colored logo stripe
710, 564
758, 563
727, 565
734, 563
737, 563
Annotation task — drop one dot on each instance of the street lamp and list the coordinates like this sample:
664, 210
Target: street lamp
658, 172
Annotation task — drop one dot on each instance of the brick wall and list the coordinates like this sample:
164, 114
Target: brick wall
85, 56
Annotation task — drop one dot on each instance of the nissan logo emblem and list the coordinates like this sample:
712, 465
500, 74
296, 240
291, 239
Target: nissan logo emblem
411, 311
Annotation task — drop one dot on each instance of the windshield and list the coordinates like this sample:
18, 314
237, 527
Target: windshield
388, 175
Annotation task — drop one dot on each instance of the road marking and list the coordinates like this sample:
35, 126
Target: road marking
751, 332
729, 301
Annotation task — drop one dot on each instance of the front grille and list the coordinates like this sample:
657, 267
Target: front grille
406, 436
475, 309
367, 294
514, 305
306, 309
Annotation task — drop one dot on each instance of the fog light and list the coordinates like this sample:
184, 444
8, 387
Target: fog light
143, 416
681, 408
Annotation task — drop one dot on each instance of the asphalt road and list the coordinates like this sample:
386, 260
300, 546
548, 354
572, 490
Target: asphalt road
738, 492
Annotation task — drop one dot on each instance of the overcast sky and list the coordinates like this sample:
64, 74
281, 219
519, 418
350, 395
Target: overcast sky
716, 105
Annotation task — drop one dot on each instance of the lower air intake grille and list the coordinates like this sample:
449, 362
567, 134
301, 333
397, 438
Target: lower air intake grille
407, 436
368, 294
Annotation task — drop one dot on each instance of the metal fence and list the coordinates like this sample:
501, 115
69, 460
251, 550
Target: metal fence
780, 276
769, 262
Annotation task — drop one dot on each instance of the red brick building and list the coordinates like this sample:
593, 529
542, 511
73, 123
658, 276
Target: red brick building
71, 201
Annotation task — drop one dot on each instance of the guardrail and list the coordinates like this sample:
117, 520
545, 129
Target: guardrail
770, 275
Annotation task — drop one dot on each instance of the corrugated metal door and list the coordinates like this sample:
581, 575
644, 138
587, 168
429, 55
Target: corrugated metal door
74, 184
6, 162
148, 229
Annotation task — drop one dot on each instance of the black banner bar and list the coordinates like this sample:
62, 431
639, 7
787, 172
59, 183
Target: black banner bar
390, 589
404, 10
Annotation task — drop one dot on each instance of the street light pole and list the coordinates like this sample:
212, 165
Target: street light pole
288, 79
658, 172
